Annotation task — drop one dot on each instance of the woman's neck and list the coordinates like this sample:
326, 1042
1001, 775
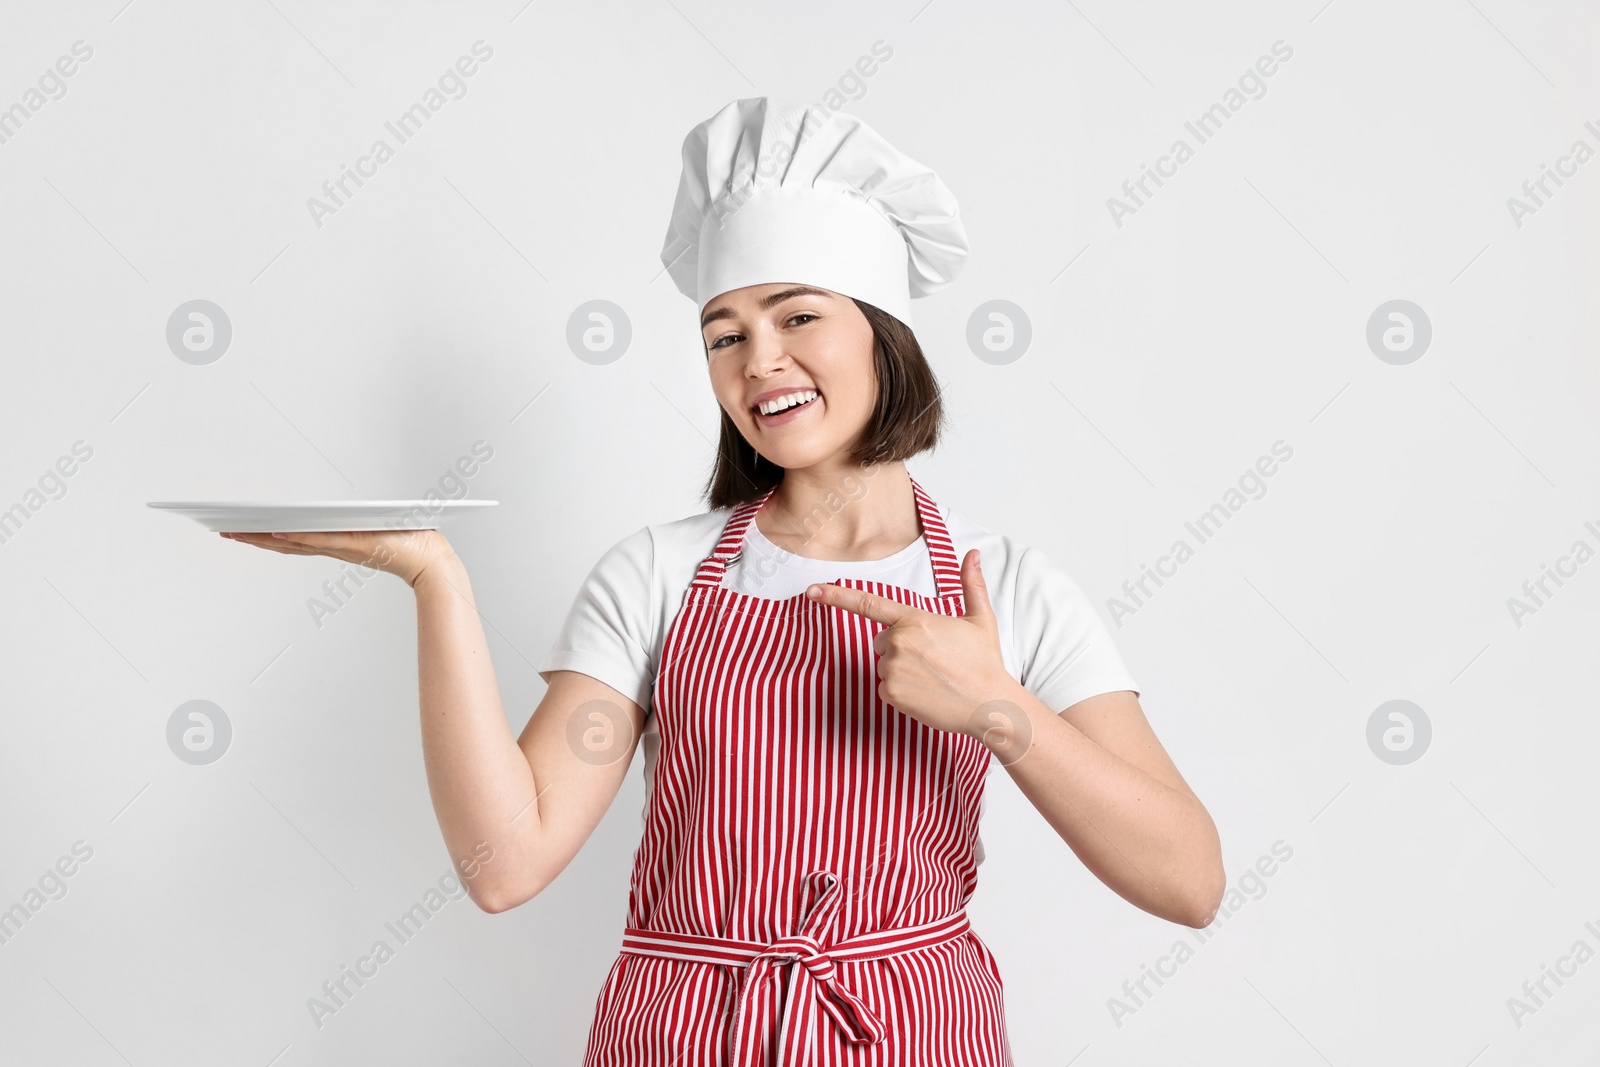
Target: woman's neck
850, 513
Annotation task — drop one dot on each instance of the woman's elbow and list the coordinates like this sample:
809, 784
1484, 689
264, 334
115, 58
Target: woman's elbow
1209, 884
496, 897
494, 905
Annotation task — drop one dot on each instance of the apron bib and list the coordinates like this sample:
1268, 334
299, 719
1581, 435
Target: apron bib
798, 896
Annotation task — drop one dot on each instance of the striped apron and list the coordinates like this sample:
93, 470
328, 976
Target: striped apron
798, 896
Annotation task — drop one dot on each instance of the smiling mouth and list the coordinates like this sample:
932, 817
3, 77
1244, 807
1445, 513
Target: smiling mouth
755, 409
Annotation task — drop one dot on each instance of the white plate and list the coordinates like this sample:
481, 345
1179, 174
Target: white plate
322, 515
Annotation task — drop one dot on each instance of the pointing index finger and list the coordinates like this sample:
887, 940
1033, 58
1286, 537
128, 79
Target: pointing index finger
860, 602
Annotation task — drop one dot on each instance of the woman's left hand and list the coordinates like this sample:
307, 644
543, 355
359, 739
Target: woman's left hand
939, 669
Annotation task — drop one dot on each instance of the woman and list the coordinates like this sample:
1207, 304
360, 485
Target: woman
820, 680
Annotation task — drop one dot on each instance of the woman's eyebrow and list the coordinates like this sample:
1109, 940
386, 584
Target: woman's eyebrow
774, 299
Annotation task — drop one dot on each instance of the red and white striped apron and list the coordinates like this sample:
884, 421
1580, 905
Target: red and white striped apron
799, 894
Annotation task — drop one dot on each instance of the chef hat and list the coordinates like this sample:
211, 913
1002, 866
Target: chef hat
774, 191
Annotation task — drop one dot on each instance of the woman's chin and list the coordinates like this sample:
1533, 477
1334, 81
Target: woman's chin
793, 455
793, 447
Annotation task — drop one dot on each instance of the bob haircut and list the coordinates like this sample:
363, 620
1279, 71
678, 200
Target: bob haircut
906, 419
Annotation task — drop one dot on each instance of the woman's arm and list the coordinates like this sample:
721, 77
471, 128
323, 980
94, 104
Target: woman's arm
533, 800
1096, 771
1099, 776
513, 811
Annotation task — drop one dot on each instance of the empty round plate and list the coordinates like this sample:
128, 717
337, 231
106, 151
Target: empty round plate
321, 516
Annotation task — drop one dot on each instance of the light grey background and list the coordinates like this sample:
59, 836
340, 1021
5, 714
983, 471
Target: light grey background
1227, 313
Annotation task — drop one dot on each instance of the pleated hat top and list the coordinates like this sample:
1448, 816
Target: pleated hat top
777, 191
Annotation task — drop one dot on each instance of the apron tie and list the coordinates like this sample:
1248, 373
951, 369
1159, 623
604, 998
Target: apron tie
814, 981
765, 998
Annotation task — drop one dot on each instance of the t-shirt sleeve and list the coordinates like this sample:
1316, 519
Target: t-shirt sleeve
1065, 651
607, 633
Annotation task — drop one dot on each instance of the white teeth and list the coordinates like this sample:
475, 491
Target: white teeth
778, 403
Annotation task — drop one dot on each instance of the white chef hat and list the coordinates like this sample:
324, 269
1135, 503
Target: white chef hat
774, 191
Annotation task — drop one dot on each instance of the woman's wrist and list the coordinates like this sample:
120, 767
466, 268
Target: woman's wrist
442, 563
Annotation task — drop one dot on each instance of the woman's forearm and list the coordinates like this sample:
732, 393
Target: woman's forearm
480, 781
1154, 845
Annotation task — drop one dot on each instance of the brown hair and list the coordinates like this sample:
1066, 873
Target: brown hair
906, 418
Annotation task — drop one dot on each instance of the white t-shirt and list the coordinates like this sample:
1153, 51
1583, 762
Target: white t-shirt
1051, 639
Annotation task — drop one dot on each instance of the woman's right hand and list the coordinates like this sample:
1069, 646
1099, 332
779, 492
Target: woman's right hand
406, 553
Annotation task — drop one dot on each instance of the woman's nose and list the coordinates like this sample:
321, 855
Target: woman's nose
762, 350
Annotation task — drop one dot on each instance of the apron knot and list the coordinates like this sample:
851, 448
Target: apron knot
813, 983
785, 1003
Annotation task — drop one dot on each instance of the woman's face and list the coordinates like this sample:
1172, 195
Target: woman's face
781, 338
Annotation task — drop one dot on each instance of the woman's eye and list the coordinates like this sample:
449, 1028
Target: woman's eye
730, 337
